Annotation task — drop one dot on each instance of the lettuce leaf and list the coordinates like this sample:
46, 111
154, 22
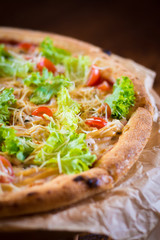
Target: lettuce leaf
7, 99
54, 54
77, 69
45, 86
13, 145
67, 110
65, 150
11, 66
122, 98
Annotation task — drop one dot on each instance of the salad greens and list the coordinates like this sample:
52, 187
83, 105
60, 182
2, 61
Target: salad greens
67, 110
7, 99
65, 148
45, 85
11, 66
54, 54
122, 98
21, 147
77, 69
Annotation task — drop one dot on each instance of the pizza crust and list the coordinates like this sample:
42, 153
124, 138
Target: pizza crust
110, 168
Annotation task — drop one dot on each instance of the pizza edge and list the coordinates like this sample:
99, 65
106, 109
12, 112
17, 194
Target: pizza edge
109, 169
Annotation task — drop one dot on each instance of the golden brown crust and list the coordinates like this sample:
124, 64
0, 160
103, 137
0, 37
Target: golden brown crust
65, 190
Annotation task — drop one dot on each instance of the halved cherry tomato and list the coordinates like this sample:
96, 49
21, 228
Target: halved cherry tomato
42, 110
96, 122
6, 168
104, 86
44, 62
26, 46
94, 76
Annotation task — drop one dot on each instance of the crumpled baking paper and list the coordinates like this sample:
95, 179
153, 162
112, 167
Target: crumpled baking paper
129, 211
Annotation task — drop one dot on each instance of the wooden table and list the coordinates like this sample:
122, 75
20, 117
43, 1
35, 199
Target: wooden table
127, 28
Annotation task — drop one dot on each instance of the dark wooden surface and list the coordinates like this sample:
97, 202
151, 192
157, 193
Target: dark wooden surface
128, 28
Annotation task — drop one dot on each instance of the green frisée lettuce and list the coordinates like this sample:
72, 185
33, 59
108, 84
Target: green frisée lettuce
21, 147
45, 86
122, 98
77, 69
67, 110
7, 99
11, 66
54, 54
65, 149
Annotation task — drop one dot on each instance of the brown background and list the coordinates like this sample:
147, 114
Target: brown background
128, 28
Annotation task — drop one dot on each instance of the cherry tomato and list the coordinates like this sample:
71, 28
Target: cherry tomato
104, 86
44, 62
94, 76
96, 122
42, 110
26, 46
103, 109
6, 168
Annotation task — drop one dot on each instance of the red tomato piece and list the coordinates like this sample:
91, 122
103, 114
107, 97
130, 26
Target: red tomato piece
44, 62
104, 86
42, 110
96, 122
26, 46
6, 168
94, 76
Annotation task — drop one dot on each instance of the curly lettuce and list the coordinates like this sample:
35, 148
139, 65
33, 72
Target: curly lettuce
21, 147
122, 98
7, 99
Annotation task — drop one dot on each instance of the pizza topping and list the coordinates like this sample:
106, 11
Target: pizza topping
42, 110
6, 171
11, 66
27, 47
54, 54
110, 130
13, 145
122, 98
77, 68
67, 110
105, 110
7, 99
104, 86
94, 76
67, 150
45, 63
45, 86
96, 122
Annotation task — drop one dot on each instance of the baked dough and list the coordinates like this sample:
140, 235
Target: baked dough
65, 190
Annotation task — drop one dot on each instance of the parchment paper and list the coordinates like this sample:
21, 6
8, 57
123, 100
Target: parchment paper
129, 211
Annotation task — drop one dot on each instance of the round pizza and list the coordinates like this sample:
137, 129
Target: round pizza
73, 121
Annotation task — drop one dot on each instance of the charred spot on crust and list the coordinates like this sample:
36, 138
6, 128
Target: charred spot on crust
79, 178
31, 194
92, 182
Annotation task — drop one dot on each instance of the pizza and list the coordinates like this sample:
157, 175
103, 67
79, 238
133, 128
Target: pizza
73, 121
